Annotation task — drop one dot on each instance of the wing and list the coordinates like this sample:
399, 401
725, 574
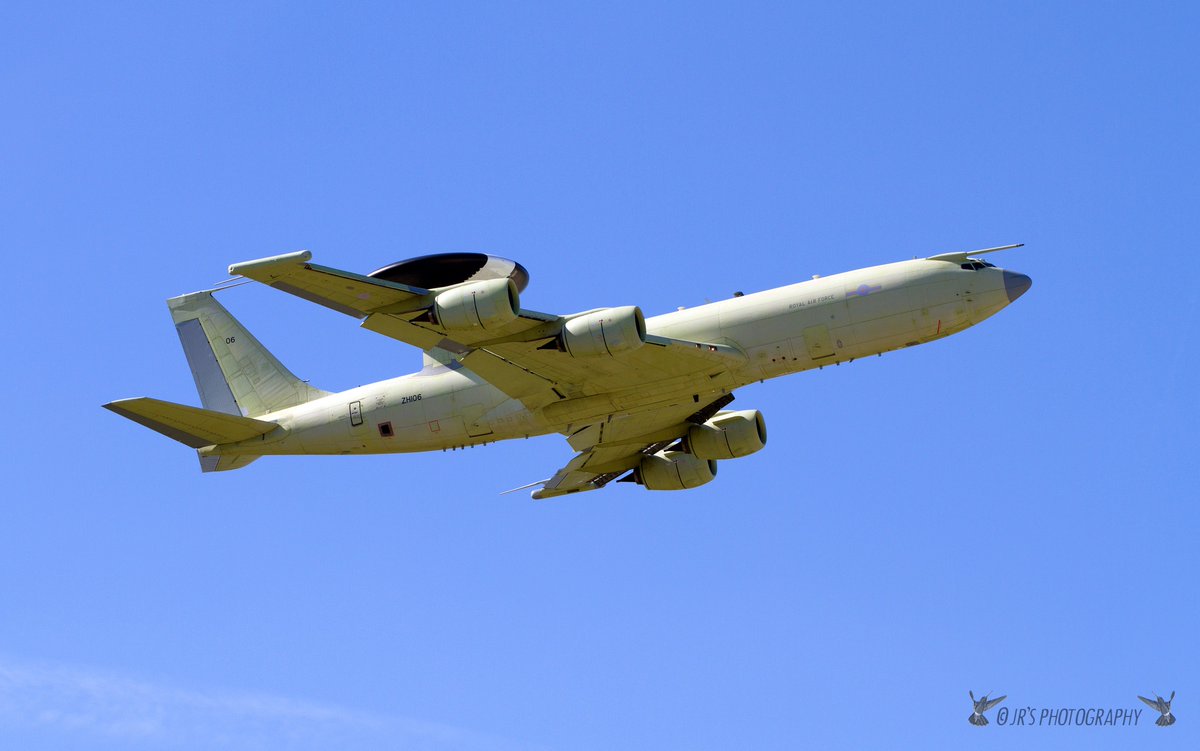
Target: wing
388, 306
993, 702
1157, 707
611, 447
346, 292
579, 390
517, 357
962, 256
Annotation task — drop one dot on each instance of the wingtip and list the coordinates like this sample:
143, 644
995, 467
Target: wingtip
244, 268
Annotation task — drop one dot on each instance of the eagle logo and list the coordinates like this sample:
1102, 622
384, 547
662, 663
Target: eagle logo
1162, 705
982, 705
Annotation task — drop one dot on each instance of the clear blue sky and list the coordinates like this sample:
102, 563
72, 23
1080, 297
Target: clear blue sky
1013, 509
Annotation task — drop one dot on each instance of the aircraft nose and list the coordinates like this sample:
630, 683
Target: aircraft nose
1016, 284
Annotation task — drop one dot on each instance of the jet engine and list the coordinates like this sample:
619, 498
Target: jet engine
487, 305
728, 435
604, 332
476, 290
674, 470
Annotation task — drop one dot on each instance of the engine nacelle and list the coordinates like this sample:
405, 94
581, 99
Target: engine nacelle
675, 470
478, 305
728, 435
605, 332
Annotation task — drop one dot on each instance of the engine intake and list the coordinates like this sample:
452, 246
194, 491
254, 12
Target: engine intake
488, 304
728, 435
604, 332
675, 470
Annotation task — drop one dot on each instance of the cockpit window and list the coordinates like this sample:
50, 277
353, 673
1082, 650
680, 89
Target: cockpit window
977, 265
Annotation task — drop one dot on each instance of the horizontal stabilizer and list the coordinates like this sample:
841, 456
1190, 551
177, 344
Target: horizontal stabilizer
192, 426
224, 462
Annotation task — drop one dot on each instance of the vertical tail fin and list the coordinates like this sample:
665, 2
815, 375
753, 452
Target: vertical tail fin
234, 373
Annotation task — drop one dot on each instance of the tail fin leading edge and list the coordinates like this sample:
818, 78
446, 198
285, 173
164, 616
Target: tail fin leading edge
234, 373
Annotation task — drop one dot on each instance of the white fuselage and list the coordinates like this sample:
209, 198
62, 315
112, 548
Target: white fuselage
789, 329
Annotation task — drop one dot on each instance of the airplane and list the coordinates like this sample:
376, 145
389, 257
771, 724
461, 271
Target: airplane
639, 399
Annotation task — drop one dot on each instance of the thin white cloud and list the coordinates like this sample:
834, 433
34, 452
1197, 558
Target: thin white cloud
97, 704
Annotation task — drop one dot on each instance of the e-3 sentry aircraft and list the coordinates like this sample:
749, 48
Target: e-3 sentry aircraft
641, 399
